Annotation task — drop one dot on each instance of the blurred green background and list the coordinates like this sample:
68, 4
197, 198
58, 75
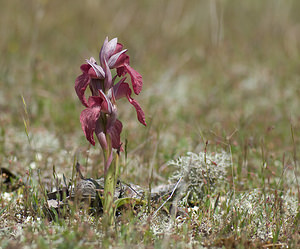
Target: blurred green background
226, 71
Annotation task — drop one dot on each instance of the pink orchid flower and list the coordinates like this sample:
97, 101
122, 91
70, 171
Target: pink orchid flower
91, 121
93, 76
114, 54
111, 56
100, 118
100, 115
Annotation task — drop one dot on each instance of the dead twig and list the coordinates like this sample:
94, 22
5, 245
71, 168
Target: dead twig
173, 191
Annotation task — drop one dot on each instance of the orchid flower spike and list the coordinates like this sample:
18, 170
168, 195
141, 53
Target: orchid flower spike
100, 115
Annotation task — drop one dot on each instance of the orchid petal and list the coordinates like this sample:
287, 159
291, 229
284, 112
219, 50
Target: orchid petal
121, 71
114, 131
136, 79
102, 51
122, 93
139, 111
112, 97
85, 68
119, 48
92, 73
98, 69
95, 101
106, 105
120, 64
108, 77
114, 58
123, 90
95, 85
107, 50
92, 60
88, 119
111, 47
81, 83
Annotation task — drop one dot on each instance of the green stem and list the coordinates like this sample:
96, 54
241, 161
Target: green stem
110, 180
109, 190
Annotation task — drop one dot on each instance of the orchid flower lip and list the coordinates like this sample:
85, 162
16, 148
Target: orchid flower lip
116, 86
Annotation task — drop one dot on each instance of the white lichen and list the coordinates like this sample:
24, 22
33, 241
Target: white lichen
202, 173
